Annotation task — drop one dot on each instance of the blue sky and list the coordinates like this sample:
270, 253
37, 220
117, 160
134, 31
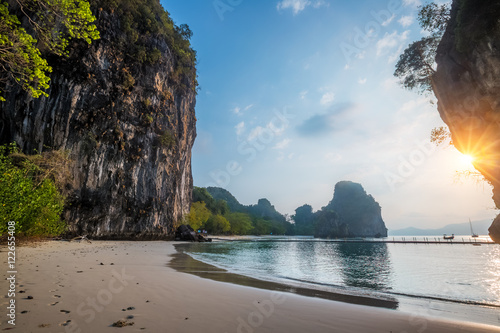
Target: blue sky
297, 95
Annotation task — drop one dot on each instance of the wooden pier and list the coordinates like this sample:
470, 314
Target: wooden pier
418, 240
464, 240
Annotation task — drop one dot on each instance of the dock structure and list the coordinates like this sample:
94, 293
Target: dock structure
386, 240
415, 240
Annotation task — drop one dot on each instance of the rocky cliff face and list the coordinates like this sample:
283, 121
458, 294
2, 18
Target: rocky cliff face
129, 126
357, 210
467, 86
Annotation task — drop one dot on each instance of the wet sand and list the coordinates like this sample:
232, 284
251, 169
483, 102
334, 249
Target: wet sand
81, 287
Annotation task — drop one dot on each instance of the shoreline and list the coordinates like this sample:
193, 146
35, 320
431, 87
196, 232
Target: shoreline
81, 287
432, 306
184, 263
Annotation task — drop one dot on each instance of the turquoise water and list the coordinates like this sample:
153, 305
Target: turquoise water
462, 275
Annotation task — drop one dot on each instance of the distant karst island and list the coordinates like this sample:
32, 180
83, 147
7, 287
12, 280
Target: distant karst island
351, 213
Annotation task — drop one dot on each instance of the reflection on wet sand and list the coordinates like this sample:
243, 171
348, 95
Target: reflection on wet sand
184, 263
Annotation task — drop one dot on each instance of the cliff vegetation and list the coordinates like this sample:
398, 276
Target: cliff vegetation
123, 109
351, 213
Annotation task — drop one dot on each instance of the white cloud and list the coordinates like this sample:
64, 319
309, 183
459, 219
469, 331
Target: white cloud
240, 128
406, 21
346, 67
239, 111
361, 55
388, 21
412, 2
255, 132
390, 41
299, 5
282, 144
395, 55
362, 81
327, 98
303, 94
320, 3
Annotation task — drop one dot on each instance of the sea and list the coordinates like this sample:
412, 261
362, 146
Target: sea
456, 281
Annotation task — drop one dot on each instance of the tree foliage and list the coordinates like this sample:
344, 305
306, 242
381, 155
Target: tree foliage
29, 195
143, 18
217, 224
260, 219
198, 215
241, 223
434, 18
52, 25
440, 135
416, 66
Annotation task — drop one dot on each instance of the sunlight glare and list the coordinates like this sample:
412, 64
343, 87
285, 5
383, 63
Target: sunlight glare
467, 160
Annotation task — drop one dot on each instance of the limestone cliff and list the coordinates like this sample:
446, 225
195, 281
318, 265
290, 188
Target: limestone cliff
128, 120
467, 86
357, 210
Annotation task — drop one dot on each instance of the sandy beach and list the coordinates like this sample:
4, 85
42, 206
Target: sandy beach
82, 287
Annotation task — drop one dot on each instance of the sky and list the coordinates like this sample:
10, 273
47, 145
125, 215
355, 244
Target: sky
296, 95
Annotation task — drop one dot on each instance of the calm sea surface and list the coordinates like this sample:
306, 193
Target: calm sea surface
456, 281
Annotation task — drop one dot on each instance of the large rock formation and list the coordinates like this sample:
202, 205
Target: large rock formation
357, 210
467, 86
129, 125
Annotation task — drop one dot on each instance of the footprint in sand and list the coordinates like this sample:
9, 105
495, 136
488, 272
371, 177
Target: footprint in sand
53, 303
56, 296
66, 323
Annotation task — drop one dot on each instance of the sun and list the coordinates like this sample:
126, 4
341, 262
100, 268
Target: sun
467, 160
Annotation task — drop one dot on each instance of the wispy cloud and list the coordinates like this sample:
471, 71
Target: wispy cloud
390, 41
406, 21
239, 111
414, 3
282, 144
240, 128
323, 123
303, 94
362, 81
388, 21
299, 5
327, 98
255, 132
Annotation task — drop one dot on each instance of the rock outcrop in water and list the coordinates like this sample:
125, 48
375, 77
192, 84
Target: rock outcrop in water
467, 86
358, 212
129, 123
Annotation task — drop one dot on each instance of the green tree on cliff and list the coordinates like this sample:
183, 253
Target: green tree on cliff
52, 24
416, 65
198, 215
